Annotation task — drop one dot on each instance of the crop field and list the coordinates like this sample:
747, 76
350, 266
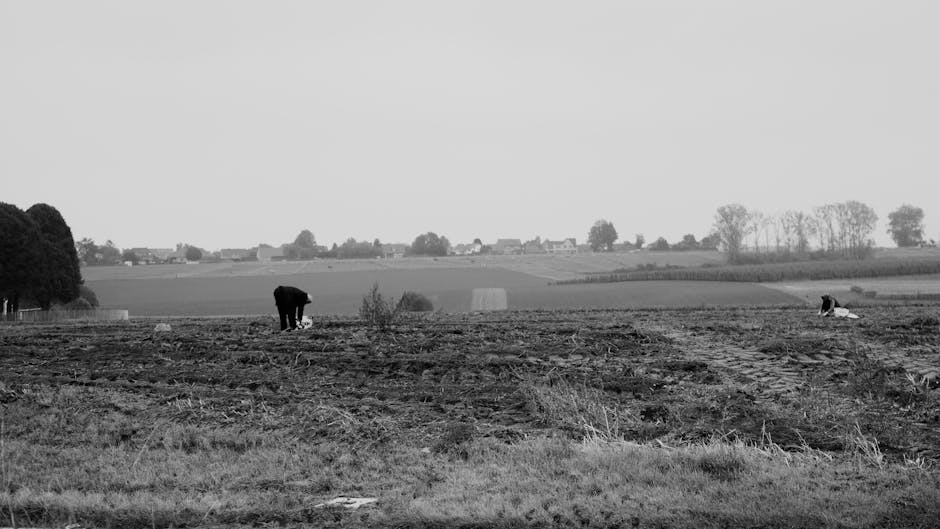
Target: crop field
683, 418
449, 289
804, 270
549, 267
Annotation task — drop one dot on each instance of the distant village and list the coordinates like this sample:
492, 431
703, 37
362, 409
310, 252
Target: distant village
266, 253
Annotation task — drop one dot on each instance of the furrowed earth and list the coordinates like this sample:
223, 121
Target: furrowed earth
780, 376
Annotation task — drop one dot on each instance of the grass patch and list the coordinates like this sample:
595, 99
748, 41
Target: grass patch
551, 482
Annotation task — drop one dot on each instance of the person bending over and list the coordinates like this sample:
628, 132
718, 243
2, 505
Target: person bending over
290, 303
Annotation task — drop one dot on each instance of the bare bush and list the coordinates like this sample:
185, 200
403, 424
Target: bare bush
376, 311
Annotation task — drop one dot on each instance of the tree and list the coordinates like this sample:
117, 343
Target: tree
109, 254
20, 256
352, 249
659, 245
710, 242
731, 224
87, 251
129, 255
602, 235
639, 241
688, 242
193, 253
906, 226
430, 244
824, 219
38, 260
860, 221
305, 239
798, 226
755, 223
61, 274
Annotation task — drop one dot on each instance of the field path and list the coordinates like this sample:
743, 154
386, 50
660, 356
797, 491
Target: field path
489, 299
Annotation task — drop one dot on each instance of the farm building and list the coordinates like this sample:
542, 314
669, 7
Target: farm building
162, 255
266, 254
507, 246
234, 254
468, 249
394, 250
566, 246
533, 247
145, 256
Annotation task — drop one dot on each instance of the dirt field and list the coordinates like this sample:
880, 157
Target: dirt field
467, 367
662, 375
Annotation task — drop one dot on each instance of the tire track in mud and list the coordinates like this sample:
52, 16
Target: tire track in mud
784, 372
775, 375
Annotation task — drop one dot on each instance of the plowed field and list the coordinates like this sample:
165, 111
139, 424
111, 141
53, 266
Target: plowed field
681, 374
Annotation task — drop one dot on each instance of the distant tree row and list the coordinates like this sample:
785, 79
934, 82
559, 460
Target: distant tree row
305, 247
843, 229
38, 259
603, 235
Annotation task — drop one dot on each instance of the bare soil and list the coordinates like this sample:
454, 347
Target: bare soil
783, 374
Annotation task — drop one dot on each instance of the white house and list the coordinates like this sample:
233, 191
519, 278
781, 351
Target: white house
566, 246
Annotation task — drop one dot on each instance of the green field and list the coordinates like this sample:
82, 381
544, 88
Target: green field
449, 289
338, 285
550, 267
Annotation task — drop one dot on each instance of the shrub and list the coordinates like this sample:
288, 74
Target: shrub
414, 302
88, 295
857, 289
377, 311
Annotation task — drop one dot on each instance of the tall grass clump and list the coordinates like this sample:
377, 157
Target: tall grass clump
377, 311
578, 409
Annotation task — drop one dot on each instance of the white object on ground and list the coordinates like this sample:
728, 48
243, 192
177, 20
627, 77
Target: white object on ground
305, 323
841, 312
349, 503
485, 299
162, 327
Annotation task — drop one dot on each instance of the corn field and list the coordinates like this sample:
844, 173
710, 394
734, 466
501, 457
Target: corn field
807, 270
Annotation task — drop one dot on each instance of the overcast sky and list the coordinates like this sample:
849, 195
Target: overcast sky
229, 123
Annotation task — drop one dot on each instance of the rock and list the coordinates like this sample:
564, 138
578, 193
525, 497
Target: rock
349, 503
163, 327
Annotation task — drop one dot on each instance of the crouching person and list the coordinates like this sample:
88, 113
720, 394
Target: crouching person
290, 303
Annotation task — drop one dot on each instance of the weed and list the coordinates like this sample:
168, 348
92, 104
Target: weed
376, 311
579, 409
864, 450
455, 440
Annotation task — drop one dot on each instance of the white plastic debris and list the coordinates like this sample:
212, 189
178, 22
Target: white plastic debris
841, 312
349, 503
163, 327
305, 323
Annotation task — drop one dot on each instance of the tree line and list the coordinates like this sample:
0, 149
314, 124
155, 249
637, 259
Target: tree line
38, 259
839, 230
746, 235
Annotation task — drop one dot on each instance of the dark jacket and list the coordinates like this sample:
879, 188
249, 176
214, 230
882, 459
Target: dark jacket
290, 297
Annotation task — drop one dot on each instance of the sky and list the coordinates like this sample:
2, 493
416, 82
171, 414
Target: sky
228, 123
